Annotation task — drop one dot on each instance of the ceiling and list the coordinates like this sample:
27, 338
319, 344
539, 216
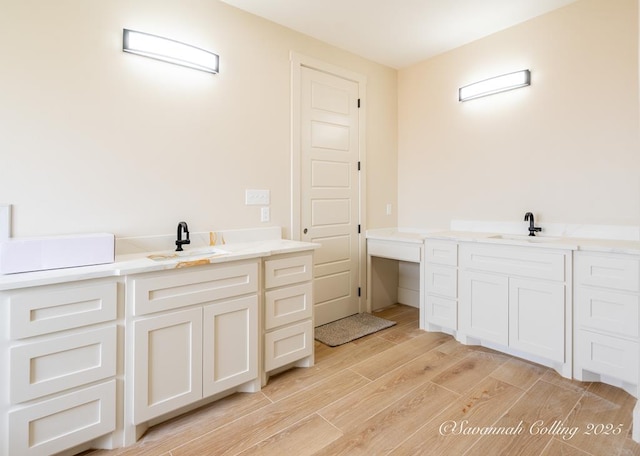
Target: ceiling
398, 33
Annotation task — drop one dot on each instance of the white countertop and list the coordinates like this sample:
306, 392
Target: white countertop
138, 263
551, 242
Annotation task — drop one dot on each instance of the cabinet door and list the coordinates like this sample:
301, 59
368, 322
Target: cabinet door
484, 306
167, 363
537, 318
230, 338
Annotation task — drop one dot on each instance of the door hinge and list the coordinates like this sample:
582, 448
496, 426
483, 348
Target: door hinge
359, 291
358, 102
358, 229
358, 166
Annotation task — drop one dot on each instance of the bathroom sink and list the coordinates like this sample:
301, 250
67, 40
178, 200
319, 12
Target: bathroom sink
187, 255
524, 238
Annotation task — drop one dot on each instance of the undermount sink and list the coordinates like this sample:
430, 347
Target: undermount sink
203, 252
524, 238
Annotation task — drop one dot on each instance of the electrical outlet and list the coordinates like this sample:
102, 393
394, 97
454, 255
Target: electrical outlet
265, 214
5, 221
256, 197
388, 208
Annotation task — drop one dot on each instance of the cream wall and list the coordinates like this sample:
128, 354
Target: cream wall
566, 148
92, 139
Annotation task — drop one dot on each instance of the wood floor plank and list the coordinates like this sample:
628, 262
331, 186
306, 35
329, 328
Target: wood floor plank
402, 333
384, 431
294, 380
398, 311
304, 438
551, 376
349, 352
600, 411
559, 448
520, 373
177, 431
378, 365
539, 408
482, 406
630, 448
466, 373
251, 429
384, 391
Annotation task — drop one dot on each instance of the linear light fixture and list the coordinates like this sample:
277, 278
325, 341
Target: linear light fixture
167, 50
496, 84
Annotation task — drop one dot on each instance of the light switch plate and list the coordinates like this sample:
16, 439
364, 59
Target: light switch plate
257, 197
5, 222
265, 214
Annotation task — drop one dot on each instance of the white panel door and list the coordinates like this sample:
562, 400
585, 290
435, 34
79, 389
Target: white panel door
484, 306
537, 318
330, 190
167, 371
230, 338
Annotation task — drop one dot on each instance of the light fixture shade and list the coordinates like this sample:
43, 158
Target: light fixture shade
167, 50
496, 84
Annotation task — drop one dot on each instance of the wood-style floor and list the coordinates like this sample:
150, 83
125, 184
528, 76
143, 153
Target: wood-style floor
403, 391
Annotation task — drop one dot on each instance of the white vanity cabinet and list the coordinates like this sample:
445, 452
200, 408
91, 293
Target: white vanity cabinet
59, 352
288, 311
518, 298
607, 298
193, 334
441, 285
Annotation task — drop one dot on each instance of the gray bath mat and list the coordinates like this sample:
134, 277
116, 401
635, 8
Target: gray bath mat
347, 329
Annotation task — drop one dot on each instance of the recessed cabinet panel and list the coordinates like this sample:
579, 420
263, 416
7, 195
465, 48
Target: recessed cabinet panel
620, 272
442, 311
441, 253
230, 344
45, 310
532, 263
288, 305
55, 364
536, 318
167, 362
484, 306
288, 270
166, 291
442, 280
288, 344
617, 358
607, 310
54, 425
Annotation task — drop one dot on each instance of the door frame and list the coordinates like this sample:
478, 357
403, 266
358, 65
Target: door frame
298, 61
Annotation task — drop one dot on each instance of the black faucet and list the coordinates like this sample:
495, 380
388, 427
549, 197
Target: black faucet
182, 226
532, 229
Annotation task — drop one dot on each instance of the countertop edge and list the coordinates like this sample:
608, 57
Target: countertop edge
140, 264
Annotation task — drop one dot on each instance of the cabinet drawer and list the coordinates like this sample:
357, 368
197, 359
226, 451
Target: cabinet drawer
442, 280
49, 309
286, 345
57, 424
442, 312
607, 355
287, 271
441, 253
167, 290
617, 272
515, 261
288, 305
404, 251
607, 311
56, 364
